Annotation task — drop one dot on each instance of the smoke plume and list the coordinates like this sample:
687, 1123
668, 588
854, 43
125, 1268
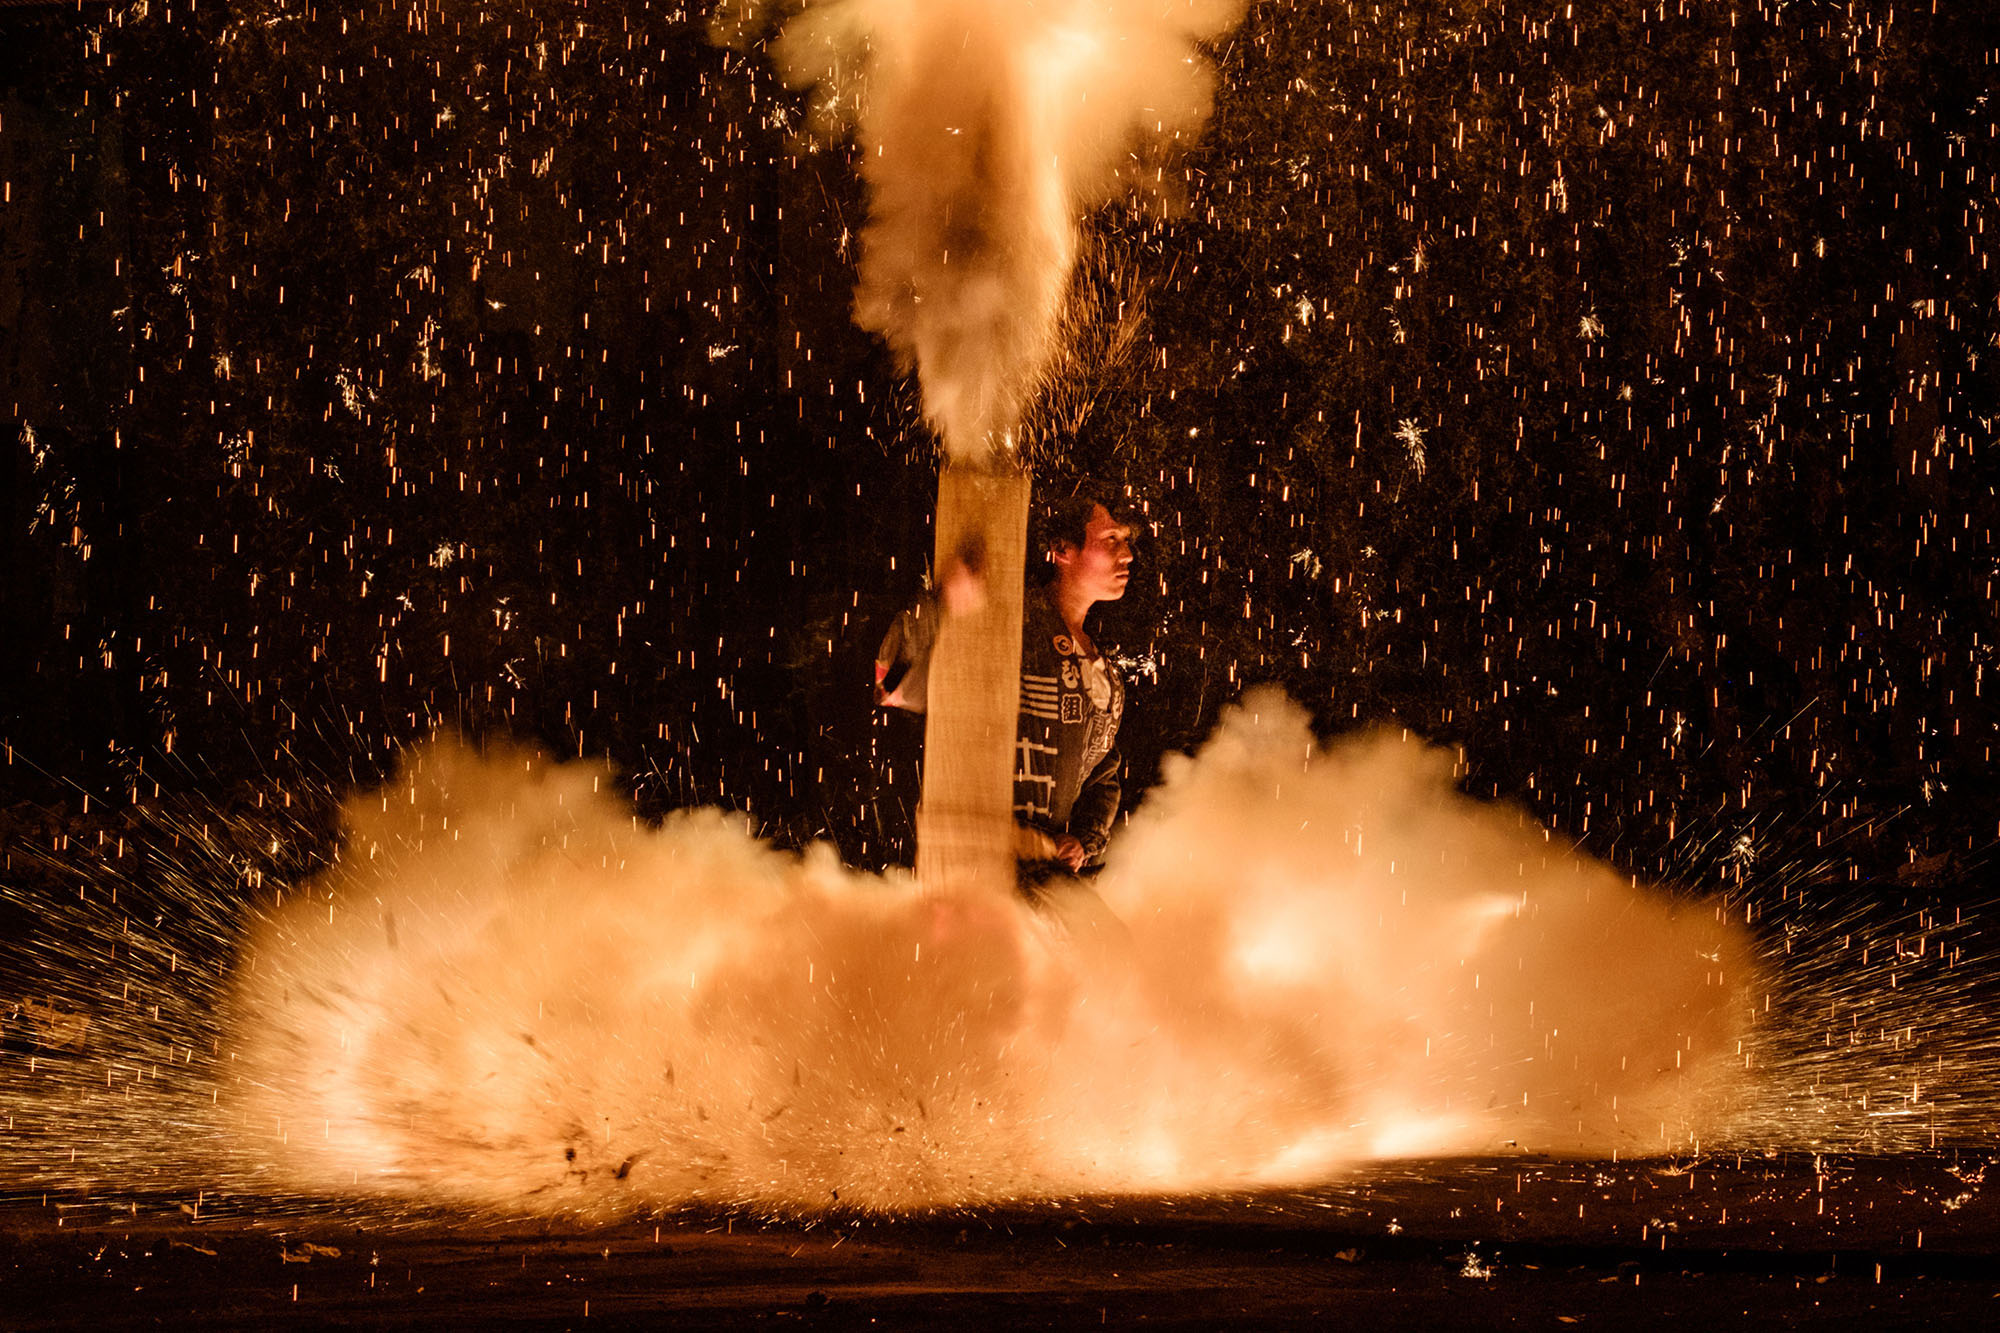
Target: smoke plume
510, 993
988, 129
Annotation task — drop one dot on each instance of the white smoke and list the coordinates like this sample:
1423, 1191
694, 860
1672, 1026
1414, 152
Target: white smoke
988, 130
512, 994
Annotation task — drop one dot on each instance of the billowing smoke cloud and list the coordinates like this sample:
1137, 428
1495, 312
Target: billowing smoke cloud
988, 129
511, 993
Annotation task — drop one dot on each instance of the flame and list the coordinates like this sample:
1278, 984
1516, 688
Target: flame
512, 994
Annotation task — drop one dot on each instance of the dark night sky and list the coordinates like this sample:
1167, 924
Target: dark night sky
1611, 396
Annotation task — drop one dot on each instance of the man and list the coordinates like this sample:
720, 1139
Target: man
1066, 788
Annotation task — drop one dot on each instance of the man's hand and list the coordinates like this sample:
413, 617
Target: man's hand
1031, 844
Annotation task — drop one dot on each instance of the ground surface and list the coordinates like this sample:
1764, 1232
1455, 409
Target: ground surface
1792, 1242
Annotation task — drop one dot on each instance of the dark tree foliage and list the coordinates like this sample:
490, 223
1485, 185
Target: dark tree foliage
1606, 390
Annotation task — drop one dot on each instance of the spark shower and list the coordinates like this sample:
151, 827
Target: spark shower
1563, 388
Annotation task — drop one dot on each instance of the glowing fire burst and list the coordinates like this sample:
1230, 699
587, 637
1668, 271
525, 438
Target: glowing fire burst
511, 995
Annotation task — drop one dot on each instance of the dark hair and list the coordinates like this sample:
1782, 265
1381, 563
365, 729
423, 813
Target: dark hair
1066, 520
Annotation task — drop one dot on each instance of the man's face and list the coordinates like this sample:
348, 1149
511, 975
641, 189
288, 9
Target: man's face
1102, 566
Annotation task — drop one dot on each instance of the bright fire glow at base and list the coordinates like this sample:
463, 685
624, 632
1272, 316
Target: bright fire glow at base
511, 994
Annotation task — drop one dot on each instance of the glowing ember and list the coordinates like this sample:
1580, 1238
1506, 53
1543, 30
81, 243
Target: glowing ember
1606, 392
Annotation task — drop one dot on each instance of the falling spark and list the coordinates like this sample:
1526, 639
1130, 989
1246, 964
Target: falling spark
1784, 211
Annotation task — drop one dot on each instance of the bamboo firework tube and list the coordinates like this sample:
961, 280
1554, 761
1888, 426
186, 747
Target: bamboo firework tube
965, 821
